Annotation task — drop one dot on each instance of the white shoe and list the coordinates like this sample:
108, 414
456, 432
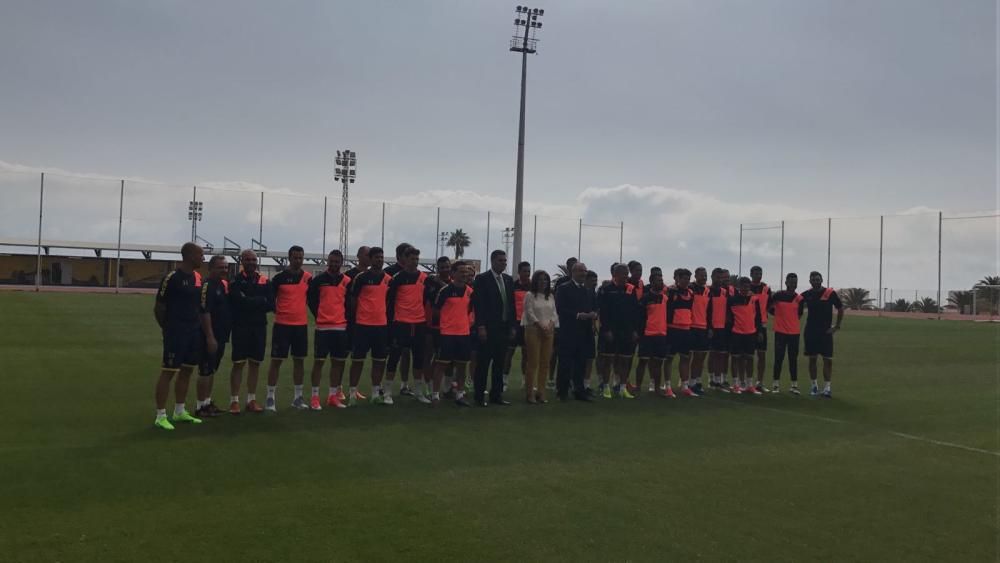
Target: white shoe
652, 387
422, 398
387, 398
776, 388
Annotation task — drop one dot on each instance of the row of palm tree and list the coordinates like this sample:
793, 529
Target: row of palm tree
987, 299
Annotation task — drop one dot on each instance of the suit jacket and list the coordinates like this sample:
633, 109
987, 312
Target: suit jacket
487, 302
571, 300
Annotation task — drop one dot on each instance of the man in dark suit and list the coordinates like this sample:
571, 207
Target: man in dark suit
576, 307
493, 300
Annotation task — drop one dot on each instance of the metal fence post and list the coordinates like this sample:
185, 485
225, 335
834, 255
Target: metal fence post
881, 239
579, 241
324, 225
437, 237
782, 261
829, 231
118, 260
534, 243
739, 263
940, 229
260, 226
38, 257
621, 241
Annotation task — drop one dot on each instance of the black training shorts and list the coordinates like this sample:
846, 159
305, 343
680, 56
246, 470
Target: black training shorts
289, 337
210, 362
249, 343
742, 344
699, 340
374, 339
679, 342
182, 346
761, 343
454, 349
621, 343
330, 343
653, 346
818, 344
720, 340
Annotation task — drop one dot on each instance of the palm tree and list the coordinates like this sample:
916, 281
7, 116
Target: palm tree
961, 300
563, 272
460, 240
992, 293
926, 305
856, 298
901, 305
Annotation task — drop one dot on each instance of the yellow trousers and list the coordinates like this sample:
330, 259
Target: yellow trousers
538, 351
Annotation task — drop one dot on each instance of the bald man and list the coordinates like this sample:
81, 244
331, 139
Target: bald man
576, 307
250, 301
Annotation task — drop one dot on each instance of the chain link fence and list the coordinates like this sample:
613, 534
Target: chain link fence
68, 230
925, 262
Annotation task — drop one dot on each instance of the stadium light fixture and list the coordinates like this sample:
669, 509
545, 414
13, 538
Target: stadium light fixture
345, 173
523, 41
195, 209
508, 238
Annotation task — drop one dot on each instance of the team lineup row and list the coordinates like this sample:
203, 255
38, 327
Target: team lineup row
445, 323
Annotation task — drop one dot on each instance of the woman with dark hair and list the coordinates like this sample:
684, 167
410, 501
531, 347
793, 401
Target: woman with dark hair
540, 321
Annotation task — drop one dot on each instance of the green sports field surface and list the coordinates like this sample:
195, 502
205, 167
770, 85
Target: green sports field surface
901, 465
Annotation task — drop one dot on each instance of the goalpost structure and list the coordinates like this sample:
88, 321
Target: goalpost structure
991, 295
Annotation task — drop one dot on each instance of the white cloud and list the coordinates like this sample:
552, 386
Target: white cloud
662, 226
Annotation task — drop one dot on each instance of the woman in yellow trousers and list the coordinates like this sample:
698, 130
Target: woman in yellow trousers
540, 322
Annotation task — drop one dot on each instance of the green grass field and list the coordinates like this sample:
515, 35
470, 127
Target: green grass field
84, 476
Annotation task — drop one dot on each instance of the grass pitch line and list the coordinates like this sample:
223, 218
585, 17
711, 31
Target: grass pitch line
945, 444
894, 433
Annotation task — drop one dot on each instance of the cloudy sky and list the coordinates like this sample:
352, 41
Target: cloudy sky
682, 118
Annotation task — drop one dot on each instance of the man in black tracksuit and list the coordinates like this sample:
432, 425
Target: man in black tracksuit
250, 300
621, 317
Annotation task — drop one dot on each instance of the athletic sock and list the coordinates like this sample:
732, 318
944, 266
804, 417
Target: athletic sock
353, 390
335, 390
436, 396
460, 395
298, 392
251, 397
270, 391
376, 390
234, 398
178, 409
315, 391
827, 388
161, 414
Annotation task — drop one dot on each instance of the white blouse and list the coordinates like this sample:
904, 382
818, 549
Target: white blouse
539, 310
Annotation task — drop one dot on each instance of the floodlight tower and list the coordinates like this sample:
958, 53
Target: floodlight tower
508, 236
345, 172
195, 208
524, 43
